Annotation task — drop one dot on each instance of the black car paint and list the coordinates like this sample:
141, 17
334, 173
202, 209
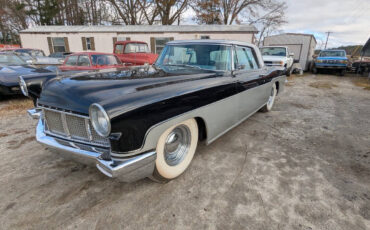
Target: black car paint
137, 100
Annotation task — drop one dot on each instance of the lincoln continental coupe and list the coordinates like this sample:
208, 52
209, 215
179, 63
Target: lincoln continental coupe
147, 121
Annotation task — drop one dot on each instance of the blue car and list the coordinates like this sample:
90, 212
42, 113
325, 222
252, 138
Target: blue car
331, 60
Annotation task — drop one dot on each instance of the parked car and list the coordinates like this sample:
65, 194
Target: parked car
90, 61
147, 121
60, 55
331, 60
134, 53
35, 56
11, 67
362, 65
278, 56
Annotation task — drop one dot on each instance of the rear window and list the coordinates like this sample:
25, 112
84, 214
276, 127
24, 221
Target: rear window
136, 48
101, 59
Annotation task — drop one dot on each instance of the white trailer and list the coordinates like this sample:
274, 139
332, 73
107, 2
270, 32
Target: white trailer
302, 45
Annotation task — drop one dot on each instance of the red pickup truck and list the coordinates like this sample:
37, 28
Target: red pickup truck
134, 53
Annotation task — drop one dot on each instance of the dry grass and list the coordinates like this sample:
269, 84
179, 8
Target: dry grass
323, 85
362, 82
16, 107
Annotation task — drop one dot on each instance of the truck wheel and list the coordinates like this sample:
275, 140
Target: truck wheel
315, 70
271, 100
342, 72
175, 150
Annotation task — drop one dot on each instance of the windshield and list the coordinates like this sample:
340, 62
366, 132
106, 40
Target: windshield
11, 59
136, 48
196, 57
102, 59
332, 53
273, 51
33, 53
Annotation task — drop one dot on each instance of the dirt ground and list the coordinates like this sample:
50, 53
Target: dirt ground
305, 165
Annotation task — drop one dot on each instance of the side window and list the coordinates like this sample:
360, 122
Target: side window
72, 60
83, 60
244, 58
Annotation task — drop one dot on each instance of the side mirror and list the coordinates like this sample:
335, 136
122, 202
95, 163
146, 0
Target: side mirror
239, 67
291, 54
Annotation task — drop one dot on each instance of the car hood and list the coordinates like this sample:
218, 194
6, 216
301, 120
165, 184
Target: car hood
273, 58
9, 74
48, 61
110, 89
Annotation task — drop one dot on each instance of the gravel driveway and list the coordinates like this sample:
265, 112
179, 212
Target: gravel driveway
305, 165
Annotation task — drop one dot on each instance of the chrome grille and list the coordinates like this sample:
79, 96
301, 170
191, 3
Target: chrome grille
72, 127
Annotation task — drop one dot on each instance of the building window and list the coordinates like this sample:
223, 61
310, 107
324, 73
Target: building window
88, 43
160, 43
205, 37
59, 45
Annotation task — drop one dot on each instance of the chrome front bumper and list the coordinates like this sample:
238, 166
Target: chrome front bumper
128, 170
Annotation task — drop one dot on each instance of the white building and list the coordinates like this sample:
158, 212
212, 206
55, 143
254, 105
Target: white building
101, 38
302, 45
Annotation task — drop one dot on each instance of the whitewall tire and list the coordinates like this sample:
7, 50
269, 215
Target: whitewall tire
175, 150
271, 99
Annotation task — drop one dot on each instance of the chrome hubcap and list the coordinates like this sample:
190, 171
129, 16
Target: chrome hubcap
177, 145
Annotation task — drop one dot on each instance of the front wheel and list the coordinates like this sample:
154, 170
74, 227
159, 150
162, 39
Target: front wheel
315, 70
175, 150
271, 100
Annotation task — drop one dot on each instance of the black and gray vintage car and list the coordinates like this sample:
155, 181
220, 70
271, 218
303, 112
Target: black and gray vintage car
11, 67
147, 122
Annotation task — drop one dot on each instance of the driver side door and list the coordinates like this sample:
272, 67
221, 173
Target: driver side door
250, 81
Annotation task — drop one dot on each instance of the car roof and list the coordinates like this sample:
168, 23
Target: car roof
126, 42
91, 53
274, 47
209, 41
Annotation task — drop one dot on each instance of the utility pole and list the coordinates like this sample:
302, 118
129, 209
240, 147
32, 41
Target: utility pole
327, 38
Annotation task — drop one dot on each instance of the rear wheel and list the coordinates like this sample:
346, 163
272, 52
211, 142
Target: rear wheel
175, 150
271, 100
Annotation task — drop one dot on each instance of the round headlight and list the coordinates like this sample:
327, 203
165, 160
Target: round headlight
100, 120
23, 86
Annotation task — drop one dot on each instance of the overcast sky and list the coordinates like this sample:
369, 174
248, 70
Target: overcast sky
348, 20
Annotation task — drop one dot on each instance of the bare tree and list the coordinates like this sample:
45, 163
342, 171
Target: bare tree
207, 12
170, 11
